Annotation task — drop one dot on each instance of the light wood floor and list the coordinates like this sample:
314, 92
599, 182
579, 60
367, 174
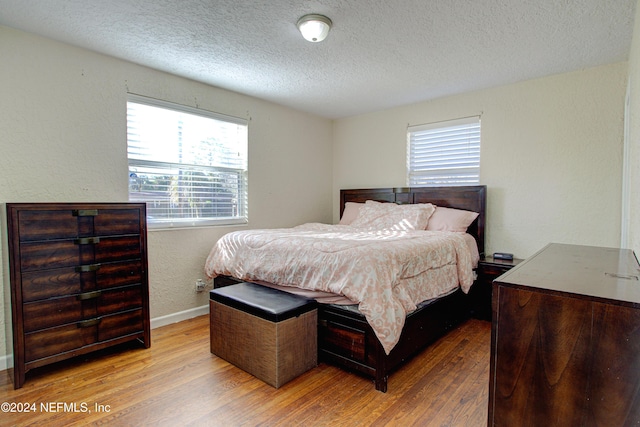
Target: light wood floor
178, 382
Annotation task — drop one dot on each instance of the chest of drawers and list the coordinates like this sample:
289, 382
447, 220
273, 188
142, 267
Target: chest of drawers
565, 344
79, 280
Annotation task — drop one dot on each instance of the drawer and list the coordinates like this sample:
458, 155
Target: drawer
120, 299
493, 271
70, 253
53, 341
342, 339
74, 308
43, 284
70, 223
56, 312
121, 324
110, 222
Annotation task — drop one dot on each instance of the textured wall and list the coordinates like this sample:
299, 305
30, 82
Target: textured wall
634, 139
63, 138
551, 156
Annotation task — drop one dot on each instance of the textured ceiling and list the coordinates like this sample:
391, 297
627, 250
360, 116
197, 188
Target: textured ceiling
379, 54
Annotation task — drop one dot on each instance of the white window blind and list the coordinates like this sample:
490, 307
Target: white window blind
188, 165
444, 153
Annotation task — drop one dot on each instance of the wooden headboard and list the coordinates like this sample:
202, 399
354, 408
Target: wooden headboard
470, 198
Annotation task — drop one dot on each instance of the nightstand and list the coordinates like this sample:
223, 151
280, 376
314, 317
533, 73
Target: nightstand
489, 269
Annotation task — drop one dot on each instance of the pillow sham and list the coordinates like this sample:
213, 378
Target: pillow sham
351, 210
449, 219
382, 216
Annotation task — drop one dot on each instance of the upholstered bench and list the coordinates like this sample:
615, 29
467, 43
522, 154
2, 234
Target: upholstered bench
268, 333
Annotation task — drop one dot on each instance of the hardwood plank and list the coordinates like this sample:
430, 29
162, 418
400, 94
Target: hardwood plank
179, 382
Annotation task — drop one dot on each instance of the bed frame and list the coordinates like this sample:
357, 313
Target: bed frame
345, 338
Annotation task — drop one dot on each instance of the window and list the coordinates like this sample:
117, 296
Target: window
444, 153
188, 165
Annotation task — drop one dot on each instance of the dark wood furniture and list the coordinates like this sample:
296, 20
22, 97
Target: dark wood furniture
565, 343
472, 198
78, 280
345, 338
489, 269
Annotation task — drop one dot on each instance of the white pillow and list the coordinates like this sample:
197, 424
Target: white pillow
385, 216
351, 211
449, 219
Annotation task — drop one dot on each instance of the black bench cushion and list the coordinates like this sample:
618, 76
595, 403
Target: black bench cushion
268, 303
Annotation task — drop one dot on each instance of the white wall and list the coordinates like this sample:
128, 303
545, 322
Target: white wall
63, 138
551, 156
633, 138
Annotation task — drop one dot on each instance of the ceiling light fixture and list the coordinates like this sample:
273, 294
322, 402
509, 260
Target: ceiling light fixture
314, 28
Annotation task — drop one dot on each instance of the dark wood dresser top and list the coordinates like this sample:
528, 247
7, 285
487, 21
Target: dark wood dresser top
565, 340
605, 273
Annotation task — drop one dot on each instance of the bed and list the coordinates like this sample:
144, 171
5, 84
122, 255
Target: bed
351, 336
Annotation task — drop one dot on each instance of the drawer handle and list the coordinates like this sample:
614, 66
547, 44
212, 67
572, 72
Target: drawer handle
87, 268
87, 241
88, 295
89, 323
85, 212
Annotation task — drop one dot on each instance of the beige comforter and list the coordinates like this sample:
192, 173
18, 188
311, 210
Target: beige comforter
380, 270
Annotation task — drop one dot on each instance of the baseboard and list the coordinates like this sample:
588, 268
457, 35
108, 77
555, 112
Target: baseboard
6, 361
179, 316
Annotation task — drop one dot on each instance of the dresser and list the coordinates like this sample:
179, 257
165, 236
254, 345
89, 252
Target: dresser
565, 342
79, 280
